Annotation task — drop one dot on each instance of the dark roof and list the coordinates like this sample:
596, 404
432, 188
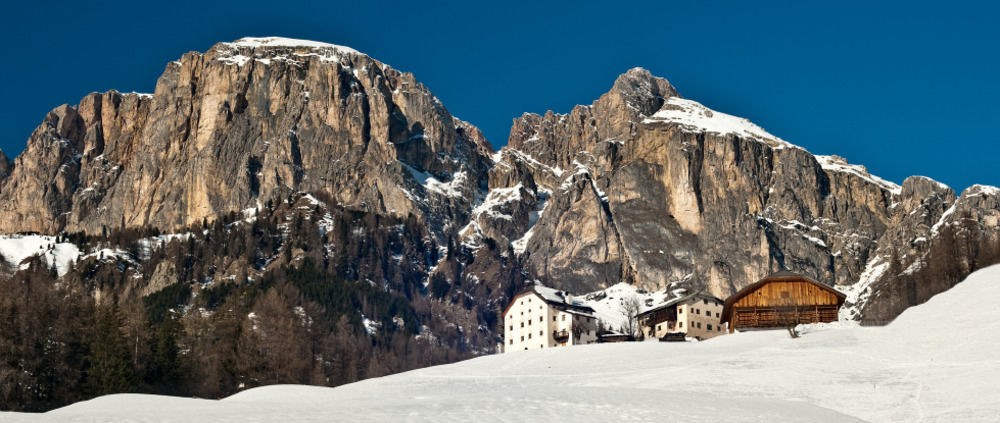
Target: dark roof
781, 276
679, 300
550, 296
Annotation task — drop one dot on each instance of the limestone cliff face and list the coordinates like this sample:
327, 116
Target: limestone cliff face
646, 187
245, 122
641, 186
5, 166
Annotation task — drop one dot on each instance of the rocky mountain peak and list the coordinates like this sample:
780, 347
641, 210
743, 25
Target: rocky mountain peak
266, 49
639, 90
248, 121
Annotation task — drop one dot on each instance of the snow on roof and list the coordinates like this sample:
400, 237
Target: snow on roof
839, 164
693, 116
556, 296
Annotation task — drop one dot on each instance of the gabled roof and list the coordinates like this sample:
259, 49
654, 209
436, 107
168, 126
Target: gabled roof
781, 276
679, 300
551, 296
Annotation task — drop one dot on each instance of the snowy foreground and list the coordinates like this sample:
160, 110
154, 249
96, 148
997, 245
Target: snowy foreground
936, 362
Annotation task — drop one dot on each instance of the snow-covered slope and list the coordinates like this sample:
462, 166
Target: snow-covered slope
935, 363
16, 248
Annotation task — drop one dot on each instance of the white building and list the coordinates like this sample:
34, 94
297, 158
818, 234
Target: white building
542, 317
696, 315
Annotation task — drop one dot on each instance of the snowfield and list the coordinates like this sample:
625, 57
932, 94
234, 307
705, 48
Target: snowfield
937, 362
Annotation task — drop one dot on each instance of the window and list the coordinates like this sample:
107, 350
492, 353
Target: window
541, 346
564, 317
511, 327
522, 338
522, 302
658, 327
709, 326
512, 342
679, 324
680, 310
541, 333
540, 319
717, 314
529, 336
522, 324
529, 300
529, 322
553, 318
705, 301
698, 323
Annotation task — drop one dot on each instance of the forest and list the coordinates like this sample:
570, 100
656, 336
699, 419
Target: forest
295, 293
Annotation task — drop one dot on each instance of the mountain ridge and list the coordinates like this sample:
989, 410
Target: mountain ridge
640, 186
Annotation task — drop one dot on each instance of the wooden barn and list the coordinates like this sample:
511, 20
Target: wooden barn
781, 300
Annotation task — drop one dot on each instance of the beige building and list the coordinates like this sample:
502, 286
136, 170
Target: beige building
696, 315
542, 317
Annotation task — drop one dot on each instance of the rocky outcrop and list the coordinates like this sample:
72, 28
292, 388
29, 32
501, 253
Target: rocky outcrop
645, 187
246, 122
641, 186
5, 167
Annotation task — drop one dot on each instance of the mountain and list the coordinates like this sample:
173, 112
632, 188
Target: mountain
649, 188
641, 186
247, 121
832, 373
272, 184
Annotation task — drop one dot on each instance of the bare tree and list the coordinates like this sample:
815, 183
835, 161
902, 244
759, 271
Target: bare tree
630, 310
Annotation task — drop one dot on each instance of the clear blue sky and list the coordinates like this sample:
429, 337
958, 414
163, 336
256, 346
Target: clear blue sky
905, 88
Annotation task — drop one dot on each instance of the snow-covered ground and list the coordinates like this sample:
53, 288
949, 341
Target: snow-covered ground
16, 248
936, 363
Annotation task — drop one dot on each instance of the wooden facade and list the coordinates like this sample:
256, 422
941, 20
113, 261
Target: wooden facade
781, 300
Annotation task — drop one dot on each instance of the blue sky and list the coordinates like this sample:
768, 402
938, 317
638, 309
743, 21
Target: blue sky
904, 88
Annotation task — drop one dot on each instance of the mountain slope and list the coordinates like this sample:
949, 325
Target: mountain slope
649, 188
246, 122
832, 373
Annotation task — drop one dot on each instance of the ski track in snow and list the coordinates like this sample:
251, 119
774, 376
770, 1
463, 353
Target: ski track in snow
935, 363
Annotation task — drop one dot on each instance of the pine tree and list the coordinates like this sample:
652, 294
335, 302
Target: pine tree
111, 369
164, 368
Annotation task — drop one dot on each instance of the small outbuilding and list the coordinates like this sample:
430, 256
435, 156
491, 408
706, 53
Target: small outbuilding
781, 300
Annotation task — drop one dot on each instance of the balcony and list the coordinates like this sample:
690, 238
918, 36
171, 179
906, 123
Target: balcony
560, 335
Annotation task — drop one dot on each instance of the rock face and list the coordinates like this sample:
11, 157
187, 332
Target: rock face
645, 187
247, 121
5, 167
641, 186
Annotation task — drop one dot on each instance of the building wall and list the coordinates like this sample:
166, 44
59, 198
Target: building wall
530, 324
700, 318
697, 317
779, 294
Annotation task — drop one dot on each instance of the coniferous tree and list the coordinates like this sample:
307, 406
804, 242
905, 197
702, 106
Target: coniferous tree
111, 369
